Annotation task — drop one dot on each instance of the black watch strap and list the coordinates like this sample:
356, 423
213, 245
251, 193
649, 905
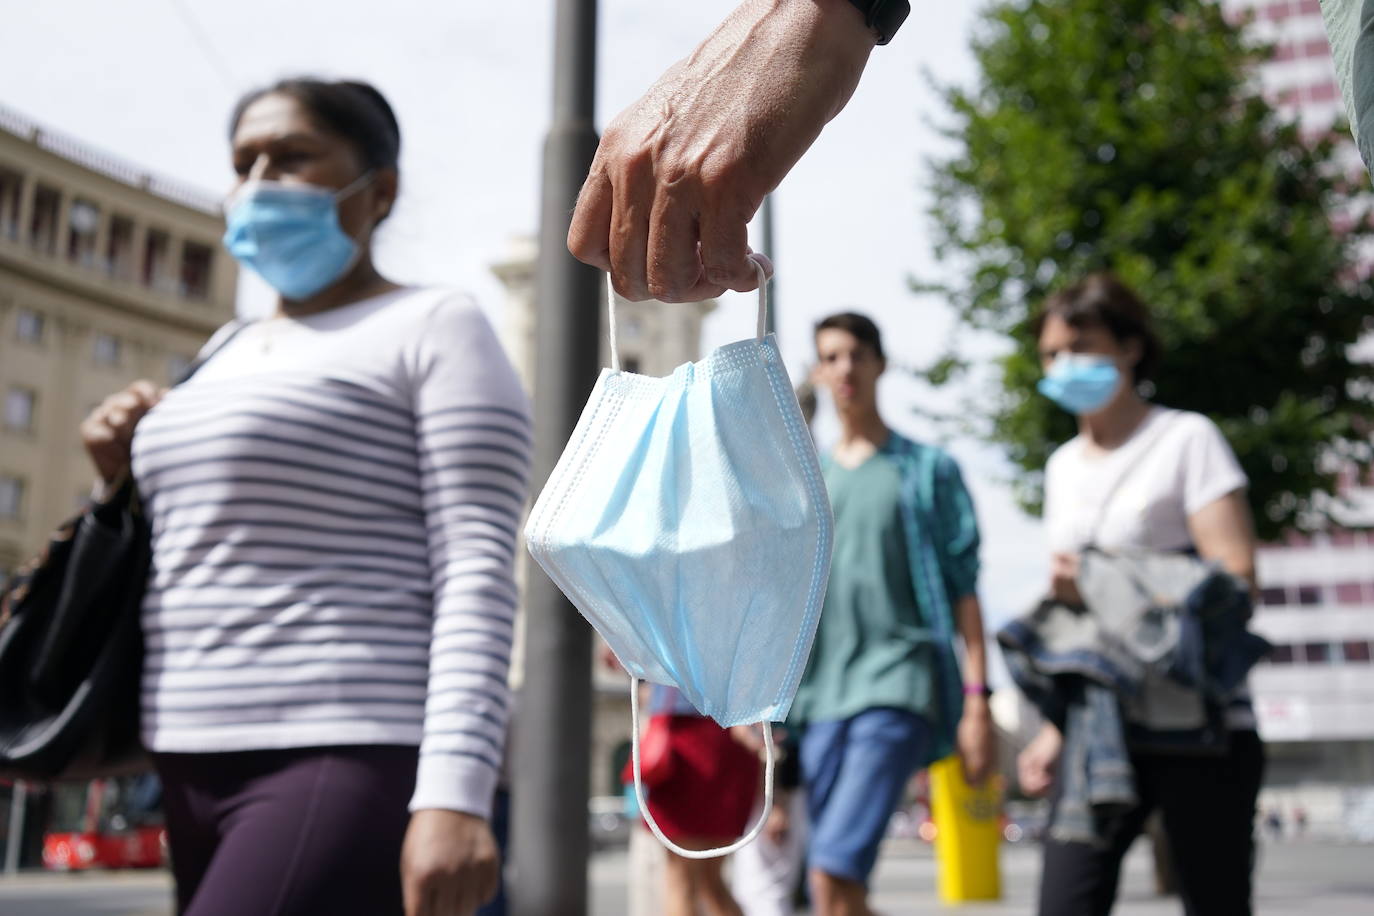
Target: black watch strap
884, 16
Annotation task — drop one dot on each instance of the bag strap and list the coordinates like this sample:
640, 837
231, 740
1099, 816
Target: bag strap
1161, 426
221, 339
644, 805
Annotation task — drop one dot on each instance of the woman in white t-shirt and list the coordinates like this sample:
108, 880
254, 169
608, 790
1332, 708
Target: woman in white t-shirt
1141, 476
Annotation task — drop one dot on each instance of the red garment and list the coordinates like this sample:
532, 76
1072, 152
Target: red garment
710, 789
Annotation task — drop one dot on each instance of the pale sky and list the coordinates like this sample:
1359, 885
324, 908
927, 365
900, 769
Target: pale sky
471, 86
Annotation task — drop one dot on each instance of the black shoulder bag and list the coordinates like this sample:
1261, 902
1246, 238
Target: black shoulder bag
71, 647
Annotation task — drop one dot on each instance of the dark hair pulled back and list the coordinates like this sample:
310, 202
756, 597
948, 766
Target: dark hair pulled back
353, 110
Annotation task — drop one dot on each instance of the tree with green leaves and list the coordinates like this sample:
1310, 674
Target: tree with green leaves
1127, 135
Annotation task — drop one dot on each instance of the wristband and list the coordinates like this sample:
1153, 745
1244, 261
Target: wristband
884, 17
977, 690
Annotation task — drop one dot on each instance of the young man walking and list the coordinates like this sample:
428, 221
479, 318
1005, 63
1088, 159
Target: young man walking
883, 695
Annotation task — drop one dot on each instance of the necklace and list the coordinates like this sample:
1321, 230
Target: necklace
268, 331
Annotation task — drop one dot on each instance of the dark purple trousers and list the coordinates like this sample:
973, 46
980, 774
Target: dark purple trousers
298, 832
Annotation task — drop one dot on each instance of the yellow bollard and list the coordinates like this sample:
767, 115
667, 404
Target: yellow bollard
967, 831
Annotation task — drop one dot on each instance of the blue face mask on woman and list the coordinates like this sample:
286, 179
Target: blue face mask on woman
289, 234
1081, 383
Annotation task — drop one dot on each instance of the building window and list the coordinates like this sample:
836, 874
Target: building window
1352, 592
119, 248
28, 326
156, 251
1357, 651
106, 350
19, 404
1282, 655
11, 496
1273, 597
11, 187
1316, 653
83, 220
1309, 594
43, 226
195, 270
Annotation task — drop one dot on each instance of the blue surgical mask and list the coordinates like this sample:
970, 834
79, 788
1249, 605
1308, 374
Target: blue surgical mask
689, 523
289, 234
1081, 383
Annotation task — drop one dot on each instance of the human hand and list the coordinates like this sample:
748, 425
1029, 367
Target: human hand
751, 736
108, 432
680, 173
779, 820
976, 740
609, 659
1036, 764
1064, 578
450, 865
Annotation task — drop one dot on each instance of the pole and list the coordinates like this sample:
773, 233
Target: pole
14, 844
549, 836
766, 230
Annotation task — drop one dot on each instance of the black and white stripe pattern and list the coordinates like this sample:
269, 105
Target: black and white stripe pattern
334, 522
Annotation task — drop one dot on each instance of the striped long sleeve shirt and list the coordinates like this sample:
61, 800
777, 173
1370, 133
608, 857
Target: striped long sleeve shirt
334, 503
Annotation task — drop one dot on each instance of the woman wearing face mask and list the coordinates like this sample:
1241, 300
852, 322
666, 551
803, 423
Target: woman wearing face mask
1142, 477
333, 498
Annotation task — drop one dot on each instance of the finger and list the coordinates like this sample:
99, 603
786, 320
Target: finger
144, 391
725, 249
632, 202
674, 262
590, 232
116, 418
452, 897
125, 400
95, 431
412, 893
492, 884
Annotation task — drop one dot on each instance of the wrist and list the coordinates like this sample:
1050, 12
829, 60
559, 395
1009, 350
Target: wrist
844, 18
976, 703
882, 18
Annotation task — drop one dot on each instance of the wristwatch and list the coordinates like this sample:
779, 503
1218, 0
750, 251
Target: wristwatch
884, 16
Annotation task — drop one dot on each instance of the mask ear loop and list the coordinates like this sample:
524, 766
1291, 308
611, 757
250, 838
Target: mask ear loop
760, 329
644, 806
354, 186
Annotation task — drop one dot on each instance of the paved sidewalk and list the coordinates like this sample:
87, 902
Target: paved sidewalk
1296, 878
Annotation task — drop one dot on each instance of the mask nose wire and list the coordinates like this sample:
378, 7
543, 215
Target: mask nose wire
759, 331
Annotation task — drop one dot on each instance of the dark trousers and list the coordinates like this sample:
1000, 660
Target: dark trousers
1208, 809
301, 832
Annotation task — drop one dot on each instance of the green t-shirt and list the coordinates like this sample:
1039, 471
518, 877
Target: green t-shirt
873, 646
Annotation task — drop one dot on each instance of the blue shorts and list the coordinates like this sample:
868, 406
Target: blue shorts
855, 771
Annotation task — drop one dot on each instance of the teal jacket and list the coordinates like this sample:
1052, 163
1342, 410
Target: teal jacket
942, 538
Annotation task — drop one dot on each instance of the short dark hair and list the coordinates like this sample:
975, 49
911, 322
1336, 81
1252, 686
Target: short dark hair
354, 110
861, 326
1101, 300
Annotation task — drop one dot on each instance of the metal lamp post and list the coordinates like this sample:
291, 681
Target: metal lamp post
549, 838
